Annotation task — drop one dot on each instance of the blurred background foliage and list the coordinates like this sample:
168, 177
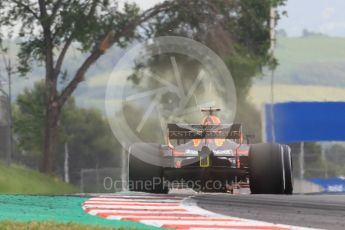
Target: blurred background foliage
86, 132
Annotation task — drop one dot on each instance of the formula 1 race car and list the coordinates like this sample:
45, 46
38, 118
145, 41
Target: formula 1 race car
210, 157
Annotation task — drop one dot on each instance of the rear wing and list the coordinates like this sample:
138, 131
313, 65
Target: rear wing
186, 131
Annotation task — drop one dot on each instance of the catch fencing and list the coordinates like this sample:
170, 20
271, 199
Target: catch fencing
102, 180
4, 129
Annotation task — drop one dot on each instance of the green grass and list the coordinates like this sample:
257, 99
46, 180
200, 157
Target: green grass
310, 61
26, 209
260, 94
310, 49
9, 225
21, 180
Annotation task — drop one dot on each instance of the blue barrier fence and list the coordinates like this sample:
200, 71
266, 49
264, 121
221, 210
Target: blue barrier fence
305, 121
330, 185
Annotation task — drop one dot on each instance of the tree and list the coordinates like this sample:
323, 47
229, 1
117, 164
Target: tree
282, 33
29, 117
89, 138
306, 33
48, 29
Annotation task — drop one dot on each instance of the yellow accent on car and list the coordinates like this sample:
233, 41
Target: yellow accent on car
205, 162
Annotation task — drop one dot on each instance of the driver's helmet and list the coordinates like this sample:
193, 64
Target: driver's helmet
210, 120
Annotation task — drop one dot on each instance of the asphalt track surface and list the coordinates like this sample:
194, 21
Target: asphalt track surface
314, 211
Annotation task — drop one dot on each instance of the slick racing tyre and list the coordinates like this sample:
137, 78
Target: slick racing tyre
288, 169
145, 177
266, 169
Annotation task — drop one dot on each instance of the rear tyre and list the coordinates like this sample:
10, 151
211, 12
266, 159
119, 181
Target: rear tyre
288, 169
145, 177
266, 166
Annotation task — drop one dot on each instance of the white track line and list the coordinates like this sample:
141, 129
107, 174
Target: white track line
133, 203
142, 212
135, 200
143, 206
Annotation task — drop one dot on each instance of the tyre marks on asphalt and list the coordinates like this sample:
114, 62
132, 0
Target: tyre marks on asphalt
168, 211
